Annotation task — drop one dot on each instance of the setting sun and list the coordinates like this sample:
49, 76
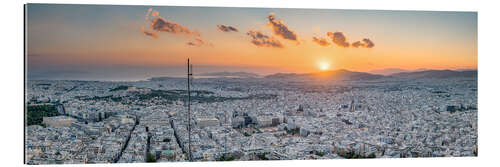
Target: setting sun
323, 66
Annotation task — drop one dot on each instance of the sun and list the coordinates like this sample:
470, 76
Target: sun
323, 66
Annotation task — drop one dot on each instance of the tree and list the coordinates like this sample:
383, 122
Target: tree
35, 113
150, 158
225, 158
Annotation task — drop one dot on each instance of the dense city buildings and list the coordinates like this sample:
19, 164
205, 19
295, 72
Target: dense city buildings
258, 118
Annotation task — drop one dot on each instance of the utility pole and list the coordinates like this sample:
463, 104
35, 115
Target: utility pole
189, 75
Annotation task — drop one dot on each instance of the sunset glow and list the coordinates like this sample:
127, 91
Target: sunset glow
323, 66
149, 40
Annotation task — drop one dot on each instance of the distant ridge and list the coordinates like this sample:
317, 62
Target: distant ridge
341, 74
163, 78
230, 74
331, 75
435, 74
390, 71
387, 71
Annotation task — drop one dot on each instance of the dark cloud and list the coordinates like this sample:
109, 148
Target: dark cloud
366, 43
161, 25
321, 41
149, 33
357, 44
224, 28
260, 39
338, 38
281, 29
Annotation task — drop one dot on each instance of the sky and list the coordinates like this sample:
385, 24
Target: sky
104, 42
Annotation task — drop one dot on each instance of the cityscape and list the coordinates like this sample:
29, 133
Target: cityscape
82, 109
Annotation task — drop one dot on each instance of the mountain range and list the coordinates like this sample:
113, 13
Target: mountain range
230, 74
436, 74
389, 71
343, 74
334, 74
351, 75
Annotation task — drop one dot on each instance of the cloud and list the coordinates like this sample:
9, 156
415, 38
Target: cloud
149, 33
262, 40
198, 42
159, 24
147, 14
281, 29
162, 25
338, 38
357, 44
155, 13
224, 28
321, 41
366, 43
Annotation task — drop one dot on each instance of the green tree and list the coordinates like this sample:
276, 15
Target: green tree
150, 158
35, 113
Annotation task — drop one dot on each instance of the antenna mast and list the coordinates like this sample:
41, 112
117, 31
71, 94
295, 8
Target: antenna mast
226, 128
189, 75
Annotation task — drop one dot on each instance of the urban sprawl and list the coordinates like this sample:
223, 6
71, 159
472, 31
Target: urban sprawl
233, 118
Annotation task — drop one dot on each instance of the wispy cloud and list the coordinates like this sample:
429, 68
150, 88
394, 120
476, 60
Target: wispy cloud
321, 41
262, 40
225, 28
197, 41
281, 29
338, 38
149, 33
147, 14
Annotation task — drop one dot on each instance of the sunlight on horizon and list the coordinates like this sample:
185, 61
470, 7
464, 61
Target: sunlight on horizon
323, 66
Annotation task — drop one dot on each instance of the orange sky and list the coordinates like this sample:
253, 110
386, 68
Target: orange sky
71, 35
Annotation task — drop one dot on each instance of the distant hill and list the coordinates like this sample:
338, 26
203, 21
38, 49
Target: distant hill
331, 75
164, 78
387, 71
436, 74
390, 71
340, 75
230, 74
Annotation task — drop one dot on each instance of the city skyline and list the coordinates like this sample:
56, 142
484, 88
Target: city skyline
75, 39
109, 84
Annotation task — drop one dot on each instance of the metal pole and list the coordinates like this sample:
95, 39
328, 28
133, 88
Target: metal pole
189, 111
226, 128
